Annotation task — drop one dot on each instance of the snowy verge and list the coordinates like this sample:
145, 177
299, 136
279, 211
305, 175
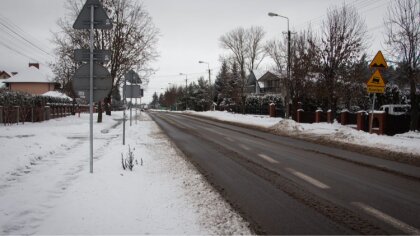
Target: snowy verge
407, 143
164, 194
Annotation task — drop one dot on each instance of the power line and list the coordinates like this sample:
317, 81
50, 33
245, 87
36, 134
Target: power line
22, 31
22, 37
14, 50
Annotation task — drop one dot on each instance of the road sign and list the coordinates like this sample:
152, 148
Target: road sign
102, 81
92, 80
376, 89
376, 80
132, 77
99, 55
133, 91
379, 61
100, 18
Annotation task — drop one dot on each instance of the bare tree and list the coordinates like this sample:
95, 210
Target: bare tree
235, 41
132, 40
256, 52
304, 59
342, 42
277, 51
403, 40
247, 49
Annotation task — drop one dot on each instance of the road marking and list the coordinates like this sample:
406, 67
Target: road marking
213, 131
267, 158
308, 179
244, 147
388, 219
229, 139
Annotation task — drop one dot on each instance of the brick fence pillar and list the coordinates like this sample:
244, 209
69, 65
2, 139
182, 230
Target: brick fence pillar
381, 119
344, 117
330, 118
318, 116
361, 120
272, 110
299, 115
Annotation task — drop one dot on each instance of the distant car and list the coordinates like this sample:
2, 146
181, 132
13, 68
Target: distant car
396, 109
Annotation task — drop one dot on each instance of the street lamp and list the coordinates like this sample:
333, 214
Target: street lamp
211, 87
288, 54
186, 90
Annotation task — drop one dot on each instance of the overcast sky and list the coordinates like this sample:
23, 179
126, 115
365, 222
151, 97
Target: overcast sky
189, 30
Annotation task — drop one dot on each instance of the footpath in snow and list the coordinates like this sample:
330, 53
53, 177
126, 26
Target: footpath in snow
404, 143
46, 187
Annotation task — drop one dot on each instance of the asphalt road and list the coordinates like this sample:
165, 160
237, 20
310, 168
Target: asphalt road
283, 185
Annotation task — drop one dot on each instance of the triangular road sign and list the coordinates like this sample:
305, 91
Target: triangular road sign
379, 61
376, 80
100, 18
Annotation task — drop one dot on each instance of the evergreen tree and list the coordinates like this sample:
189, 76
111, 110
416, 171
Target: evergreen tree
221, 83
155, 101
236, 92
201, 94
161, 100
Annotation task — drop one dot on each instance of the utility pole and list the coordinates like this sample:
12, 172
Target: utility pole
211, 87
186, 93
289, 61
186, 90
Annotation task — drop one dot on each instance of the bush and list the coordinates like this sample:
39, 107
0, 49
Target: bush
260, 104
13, 98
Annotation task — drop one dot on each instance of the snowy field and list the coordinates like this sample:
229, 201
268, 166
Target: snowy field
405, 143
46, 187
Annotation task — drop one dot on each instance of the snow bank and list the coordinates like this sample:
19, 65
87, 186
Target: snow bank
56, 94
260, 120
404, 143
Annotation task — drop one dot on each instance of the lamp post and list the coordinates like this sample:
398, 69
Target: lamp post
211, 87
288, 57
186, 90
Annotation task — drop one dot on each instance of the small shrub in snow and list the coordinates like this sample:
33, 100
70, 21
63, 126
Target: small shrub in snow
128, 161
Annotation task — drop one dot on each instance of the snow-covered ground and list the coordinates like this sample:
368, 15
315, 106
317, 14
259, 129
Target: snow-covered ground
46, 187
405, 143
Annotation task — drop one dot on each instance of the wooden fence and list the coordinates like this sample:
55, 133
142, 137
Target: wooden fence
21, 114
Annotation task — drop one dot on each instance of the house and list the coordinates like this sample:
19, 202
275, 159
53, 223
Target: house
3, 76
253, 86
31, 80
264, 82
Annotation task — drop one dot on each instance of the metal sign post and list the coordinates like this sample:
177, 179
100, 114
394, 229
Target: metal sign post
373, 111
92, 14
90, 19
131, 103
133, 78
125, 108
376, 83
135, 116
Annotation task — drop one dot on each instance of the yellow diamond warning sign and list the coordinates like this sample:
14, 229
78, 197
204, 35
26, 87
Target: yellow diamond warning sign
376, 80
379, 61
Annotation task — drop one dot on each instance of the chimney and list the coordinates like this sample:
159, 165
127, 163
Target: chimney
14, 73
34, 65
